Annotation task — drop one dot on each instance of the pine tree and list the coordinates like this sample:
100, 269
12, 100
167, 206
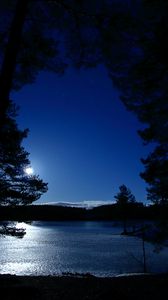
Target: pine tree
140, 69
16, 187
156, 175
124, 198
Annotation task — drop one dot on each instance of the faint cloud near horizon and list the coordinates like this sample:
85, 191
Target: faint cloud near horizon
82, 204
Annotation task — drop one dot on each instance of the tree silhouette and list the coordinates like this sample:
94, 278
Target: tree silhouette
50, 35
130, 40
35, 36
124, 196
10, 56
86, 34
16, 187
123, 199
156, 175
139, 70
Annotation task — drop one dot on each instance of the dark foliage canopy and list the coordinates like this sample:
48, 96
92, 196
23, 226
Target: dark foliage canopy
16, 187
156, 175
128, 37
140, 68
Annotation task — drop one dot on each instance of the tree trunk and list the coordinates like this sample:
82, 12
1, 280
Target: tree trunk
125, 226
10, 56
143, 250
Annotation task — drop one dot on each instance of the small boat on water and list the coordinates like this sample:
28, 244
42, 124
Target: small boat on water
13, 231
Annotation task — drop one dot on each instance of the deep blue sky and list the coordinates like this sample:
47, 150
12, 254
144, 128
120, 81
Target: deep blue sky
82, 140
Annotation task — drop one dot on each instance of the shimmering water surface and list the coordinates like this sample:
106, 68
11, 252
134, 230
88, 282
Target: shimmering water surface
82, 247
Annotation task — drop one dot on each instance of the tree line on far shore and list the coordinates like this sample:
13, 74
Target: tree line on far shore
131, 211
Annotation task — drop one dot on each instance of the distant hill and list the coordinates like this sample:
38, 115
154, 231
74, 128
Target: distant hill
88, 204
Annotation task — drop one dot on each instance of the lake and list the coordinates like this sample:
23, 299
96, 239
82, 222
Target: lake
53, 248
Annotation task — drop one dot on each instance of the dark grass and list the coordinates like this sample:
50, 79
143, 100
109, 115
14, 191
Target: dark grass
139, 287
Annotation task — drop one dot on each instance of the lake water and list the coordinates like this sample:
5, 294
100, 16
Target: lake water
51, 248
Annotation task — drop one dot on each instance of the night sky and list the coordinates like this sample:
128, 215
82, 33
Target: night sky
82, 140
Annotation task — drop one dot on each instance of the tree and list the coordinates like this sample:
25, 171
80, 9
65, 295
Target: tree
50, 35
10, 56
140, 69
16, 187
124, 198
86, 34
156, 175
27, 46
129, 39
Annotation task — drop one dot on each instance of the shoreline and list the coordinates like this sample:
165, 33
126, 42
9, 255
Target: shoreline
84, 286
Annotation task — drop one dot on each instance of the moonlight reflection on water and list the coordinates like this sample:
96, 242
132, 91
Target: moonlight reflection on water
77, 247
